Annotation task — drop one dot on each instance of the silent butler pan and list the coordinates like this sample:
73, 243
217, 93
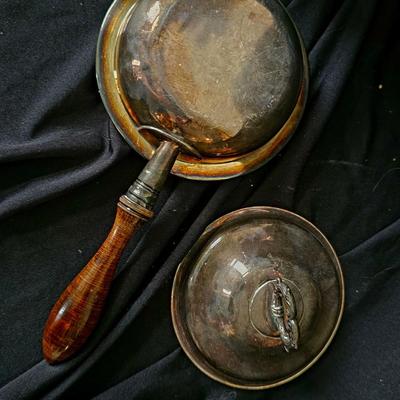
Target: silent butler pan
206, 89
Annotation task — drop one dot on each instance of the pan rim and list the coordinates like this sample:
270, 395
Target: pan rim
206, 169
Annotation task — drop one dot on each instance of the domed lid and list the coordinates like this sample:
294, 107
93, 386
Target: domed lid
258, 298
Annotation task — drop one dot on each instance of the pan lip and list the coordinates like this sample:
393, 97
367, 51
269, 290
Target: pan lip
188, 344
206, 169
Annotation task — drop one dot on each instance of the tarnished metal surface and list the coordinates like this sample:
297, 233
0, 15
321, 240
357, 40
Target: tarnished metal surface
230, 77
282, 307
223, 74
225, 307
147, 186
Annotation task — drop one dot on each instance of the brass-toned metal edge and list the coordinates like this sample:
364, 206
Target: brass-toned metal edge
105, 74
172, 137
134, 208
177, 323
207, 169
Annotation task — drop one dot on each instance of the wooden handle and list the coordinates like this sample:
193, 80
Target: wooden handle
77, 311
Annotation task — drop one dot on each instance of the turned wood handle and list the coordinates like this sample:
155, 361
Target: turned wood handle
77, 311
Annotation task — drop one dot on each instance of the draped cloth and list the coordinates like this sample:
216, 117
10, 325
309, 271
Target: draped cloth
63, 167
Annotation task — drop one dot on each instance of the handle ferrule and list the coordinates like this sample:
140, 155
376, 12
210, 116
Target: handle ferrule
147, 186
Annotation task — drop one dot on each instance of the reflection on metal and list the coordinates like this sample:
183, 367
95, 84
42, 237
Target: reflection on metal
240, 267
255, 281
283, 310
229, 78
172, 136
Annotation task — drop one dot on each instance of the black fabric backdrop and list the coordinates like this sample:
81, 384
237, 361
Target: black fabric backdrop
63, 167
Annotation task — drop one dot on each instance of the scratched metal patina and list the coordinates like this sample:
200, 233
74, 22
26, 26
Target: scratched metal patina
225, 305
223, 74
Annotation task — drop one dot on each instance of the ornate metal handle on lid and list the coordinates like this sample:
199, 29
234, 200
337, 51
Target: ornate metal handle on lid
284, 314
